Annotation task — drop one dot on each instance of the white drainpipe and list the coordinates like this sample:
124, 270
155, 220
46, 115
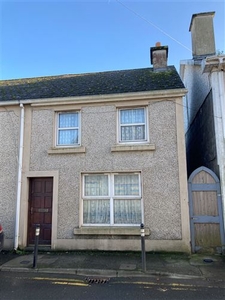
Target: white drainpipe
19, 180
222, 162
219, 120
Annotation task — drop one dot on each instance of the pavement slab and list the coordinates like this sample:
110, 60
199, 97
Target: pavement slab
119, 264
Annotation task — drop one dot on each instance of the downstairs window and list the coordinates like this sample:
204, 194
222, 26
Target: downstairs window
112, 199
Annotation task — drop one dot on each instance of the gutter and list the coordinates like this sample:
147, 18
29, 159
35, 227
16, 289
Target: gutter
149, 95
19, 180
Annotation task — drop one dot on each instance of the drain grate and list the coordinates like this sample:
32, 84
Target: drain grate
97, 280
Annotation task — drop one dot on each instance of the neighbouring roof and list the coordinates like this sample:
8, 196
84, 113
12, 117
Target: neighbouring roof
101, 83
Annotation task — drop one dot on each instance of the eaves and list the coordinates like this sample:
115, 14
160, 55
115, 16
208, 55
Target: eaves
169, 94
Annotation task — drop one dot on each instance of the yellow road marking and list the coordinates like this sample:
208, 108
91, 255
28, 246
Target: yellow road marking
160, 284
183, 289
70, 283
59, 279
178, 285
65, 281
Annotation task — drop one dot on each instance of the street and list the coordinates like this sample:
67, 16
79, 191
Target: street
36, 286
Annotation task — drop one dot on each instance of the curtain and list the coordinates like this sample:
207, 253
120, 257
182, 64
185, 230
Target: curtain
68, 129
132, 122
68, 137
127, 211
96, 211
124, 209
68, 120
132, 133
126, 185
131, 116
96, 185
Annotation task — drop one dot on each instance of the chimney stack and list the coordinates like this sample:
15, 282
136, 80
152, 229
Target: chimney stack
202, 34
159, 55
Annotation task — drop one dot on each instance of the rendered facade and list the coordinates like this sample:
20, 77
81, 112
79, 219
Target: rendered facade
90, 157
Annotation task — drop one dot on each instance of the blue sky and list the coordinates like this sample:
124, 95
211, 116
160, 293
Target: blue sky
42, 38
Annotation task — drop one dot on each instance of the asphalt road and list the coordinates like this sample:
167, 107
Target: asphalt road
41, 286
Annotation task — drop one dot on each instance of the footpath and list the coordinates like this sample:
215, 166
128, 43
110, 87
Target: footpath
118, 264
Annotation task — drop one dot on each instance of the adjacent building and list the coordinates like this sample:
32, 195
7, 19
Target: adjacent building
204, 107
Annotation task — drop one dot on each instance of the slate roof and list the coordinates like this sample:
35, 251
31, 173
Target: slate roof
110, 82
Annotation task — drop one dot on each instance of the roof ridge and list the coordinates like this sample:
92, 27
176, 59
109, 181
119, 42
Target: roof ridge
77, 74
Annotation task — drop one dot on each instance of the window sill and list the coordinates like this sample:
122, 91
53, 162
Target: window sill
138, 147
73, 150
109, 231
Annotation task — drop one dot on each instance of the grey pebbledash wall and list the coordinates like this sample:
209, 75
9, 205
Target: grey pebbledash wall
159, 168
9, 137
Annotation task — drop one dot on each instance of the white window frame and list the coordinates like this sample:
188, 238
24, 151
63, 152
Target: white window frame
68, 128
111, 197
146, 139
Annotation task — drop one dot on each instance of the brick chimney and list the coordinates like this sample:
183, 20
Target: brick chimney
159, 55
202, 34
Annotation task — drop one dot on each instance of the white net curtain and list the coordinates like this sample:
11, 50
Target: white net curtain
132, 124
114, 199
68, 125
127, 211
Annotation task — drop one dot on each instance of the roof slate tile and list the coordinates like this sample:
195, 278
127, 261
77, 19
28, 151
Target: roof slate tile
101, 83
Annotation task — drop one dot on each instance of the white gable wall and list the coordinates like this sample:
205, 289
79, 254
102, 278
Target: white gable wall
198, 86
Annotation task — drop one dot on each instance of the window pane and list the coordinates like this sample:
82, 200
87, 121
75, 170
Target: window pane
68, 137
68, 120
130, 116
127, 212
96, 185
126, 185
133, 133
96, 212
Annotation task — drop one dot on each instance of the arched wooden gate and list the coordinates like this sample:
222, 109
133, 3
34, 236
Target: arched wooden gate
206, 218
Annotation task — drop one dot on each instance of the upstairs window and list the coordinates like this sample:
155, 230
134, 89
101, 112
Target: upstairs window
68, 129
132, 125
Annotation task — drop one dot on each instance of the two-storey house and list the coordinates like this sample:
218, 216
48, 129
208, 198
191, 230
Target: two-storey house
90, 157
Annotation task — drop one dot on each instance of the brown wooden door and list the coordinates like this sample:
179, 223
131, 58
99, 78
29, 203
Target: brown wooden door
207, 234
40, 210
